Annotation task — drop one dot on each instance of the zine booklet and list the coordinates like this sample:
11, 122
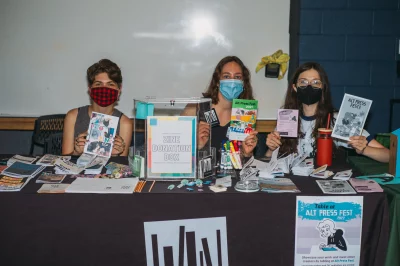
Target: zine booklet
22, 159
351, 118
50, 178
50, 159
243, 118
287, 123
101, 134
9, 183
364, 186
335, 187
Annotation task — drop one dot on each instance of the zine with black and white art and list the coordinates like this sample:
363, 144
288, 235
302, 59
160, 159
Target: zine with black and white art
187, 242
351, 118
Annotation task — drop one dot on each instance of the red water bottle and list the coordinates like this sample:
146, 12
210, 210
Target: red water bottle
324, 147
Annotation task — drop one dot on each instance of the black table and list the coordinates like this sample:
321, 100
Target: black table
91, 229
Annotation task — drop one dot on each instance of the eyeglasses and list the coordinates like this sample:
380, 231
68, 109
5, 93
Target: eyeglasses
316, 83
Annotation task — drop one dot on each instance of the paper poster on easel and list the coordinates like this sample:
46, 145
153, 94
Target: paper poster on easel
328, 230
171, 147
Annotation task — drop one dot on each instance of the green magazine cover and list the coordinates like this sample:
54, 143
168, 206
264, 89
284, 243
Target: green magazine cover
243, 118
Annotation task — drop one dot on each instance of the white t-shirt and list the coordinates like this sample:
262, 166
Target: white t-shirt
307, 144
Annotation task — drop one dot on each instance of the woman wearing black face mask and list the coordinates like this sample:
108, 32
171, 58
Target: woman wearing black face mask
309, 92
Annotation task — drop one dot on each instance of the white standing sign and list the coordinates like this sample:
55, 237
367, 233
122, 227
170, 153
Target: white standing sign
328, 230
171, 146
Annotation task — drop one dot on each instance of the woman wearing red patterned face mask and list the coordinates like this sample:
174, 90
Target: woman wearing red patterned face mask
104, 87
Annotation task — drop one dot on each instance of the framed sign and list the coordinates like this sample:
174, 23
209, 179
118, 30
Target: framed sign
171, 147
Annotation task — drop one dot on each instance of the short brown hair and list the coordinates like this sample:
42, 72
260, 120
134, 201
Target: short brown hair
104, 66
212, 90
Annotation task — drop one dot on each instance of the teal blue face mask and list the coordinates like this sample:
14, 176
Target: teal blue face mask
231, 88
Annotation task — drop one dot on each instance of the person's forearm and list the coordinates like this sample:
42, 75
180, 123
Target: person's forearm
378, 154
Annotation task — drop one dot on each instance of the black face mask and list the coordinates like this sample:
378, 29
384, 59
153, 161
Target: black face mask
308, 95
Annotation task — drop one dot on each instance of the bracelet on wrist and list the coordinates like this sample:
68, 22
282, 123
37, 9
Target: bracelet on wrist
362, 151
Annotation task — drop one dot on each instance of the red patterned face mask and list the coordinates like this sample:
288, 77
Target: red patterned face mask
104, 96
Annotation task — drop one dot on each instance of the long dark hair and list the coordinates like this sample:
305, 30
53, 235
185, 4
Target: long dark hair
212, 90
324, 107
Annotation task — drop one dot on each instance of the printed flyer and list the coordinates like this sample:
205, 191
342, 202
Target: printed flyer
171, 146
328, 230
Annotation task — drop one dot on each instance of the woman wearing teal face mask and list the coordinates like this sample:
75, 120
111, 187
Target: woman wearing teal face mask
230, 80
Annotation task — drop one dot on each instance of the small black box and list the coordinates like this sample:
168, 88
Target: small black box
272, 70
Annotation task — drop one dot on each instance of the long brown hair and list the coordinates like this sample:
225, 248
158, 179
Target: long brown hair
213, 87
324, 107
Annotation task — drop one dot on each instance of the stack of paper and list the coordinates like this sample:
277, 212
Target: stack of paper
278, 185
363, 186
281, 166
66, 167
96, 166
8, 183
335, 187
103, 185
344, 175
50, 178
20, 170
218, 188
266, 169
22, 159
53, 188
321, 172
50, 159
292, 160
17, 175
85, 159
302, 169
225, 181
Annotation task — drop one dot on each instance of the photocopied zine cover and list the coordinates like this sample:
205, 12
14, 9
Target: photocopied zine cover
243, 118
335, 187
287, 123
328, 230
50, 159
101, 134
351, 118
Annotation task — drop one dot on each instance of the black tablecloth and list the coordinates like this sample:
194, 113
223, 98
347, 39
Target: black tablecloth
91, 229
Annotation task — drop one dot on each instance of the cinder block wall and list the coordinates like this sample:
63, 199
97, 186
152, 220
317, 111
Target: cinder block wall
357, 42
